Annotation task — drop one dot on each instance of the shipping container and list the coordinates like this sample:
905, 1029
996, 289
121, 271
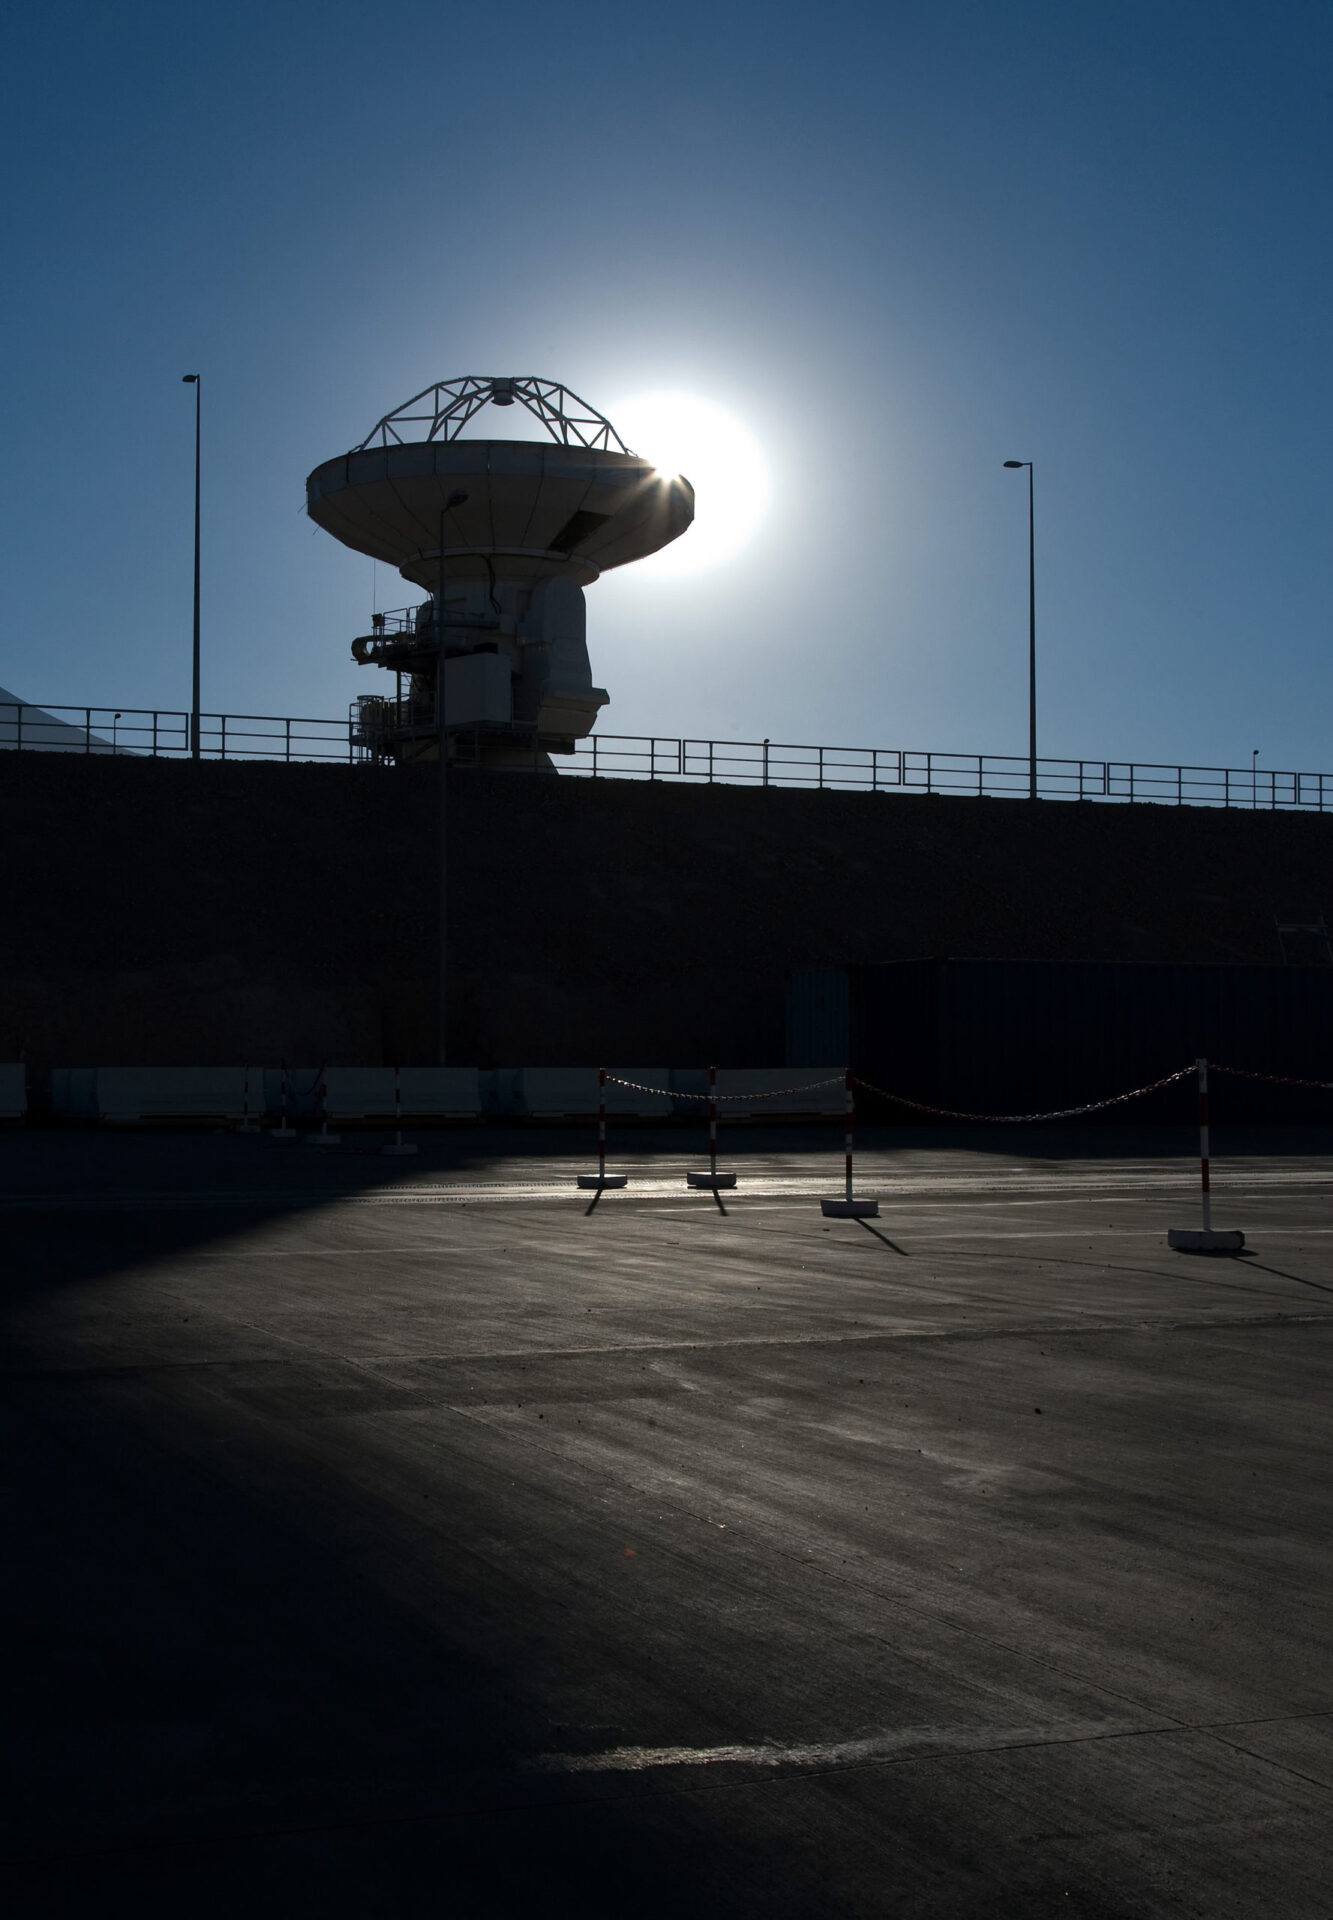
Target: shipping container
1030, 1036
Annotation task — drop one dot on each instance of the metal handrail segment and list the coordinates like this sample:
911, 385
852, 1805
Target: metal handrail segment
163, 733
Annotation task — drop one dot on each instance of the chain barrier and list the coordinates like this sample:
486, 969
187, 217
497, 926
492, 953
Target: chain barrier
1060, 1113
947, 1113
1277, 1079
772, 1093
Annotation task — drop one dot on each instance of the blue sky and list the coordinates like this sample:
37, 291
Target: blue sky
901, 243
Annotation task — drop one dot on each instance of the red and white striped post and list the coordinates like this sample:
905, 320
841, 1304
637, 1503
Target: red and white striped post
1207, 1240
398, 1146
1203, 1145
283, 1132
712, 1179
602, 1178
712, 1121
850, 1104
849, 1207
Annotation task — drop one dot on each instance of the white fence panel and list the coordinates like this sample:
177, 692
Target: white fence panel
13, 1091
443, 1092
367, 1093
359, 1093
554, 1092
171, 1093
775, 1082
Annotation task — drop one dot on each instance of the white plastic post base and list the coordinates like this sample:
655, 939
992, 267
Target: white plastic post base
324, 1140
849, 1209
1196, 1240
600, 1180
710, 1180
399, 1147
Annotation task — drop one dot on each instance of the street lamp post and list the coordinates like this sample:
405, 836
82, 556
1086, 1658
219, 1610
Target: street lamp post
193, 380
456, 499
1032, 629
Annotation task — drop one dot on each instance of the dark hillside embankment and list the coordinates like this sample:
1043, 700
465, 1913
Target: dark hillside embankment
165, 912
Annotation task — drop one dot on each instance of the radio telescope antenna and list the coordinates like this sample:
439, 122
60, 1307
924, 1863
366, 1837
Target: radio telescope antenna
445, 409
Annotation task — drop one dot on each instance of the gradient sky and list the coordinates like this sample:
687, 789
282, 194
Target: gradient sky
901, 243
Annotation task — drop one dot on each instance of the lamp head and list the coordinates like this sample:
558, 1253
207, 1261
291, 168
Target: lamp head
190, 379
456, 499
1016, 463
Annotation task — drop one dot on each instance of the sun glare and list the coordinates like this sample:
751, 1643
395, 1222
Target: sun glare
682, 433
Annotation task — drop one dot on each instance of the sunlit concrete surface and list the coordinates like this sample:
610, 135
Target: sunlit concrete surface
425, 1536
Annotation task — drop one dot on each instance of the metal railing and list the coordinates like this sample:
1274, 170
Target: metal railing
774, 763
163, 733
160, 733
397, 620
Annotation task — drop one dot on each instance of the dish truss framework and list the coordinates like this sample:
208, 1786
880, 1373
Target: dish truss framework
445, 409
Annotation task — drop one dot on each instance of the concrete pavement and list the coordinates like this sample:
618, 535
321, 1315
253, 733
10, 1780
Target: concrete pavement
401, 1536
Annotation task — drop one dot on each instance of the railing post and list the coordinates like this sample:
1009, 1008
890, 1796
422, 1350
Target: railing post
874, 769
18, 729
87, 729
929, 758
765, 763
711, 745
288, 754
1180, 774
222, 751
1131, 782
594, 756
1226, 786
821, 769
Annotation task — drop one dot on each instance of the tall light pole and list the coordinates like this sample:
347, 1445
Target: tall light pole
456, 499
1032, 629
193, 380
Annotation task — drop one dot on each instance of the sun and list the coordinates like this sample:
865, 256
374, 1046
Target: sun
682, 433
